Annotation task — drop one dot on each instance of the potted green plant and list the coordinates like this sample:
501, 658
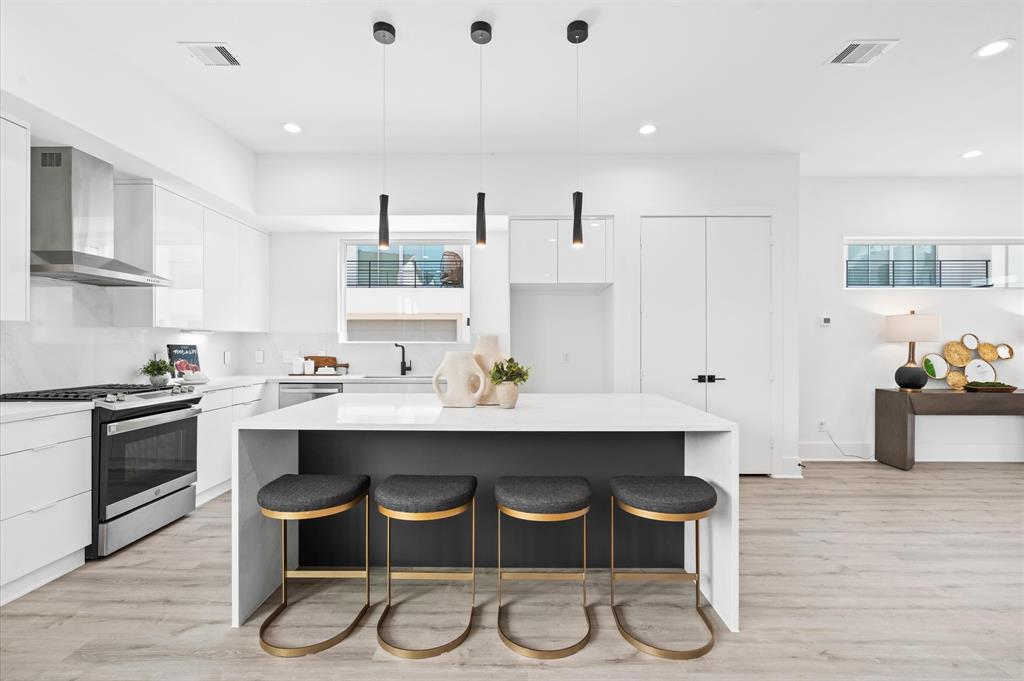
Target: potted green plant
157, 370
507, 376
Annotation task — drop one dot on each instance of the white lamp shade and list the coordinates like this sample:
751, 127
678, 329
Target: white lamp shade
912, 327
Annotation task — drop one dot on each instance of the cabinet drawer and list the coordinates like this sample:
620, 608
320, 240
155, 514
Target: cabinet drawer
42, 432
247, 393
216, 399
37, 538
37, 477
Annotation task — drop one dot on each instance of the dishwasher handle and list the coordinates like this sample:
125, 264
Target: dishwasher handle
310, 391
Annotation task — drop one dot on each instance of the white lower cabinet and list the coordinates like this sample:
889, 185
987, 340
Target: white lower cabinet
221, 408
45, 500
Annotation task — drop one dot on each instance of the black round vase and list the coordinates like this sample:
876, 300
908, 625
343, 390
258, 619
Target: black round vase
911, 378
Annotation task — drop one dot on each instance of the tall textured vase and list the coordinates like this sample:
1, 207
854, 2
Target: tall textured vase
464, 377
487, 352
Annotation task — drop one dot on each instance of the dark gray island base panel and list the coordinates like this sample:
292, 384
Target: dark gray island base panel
488, 455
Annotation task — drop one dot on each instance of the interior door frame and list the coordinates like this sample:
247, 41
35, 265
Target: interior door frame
775, 339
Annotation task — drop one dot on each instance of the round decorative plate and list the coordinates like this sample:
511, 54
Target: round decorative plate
970, 341
935, 365
1004, 351
956, 380
956, 353
988, 352
978, 370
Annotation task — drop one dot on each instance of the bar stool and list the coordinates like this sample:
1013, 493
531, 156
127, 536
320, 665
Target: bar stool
303, 497
421, 498
543, 499
672, 499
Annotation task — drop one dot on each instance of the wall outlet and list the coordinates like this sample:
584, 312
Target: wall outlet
259, 357
565, 358
227, 357
821, 427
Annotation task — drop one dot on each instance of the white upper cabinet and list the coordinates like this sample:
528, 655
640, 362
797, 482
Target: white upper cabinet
584, 264
14, 221
533, 253
254, 291
236, 270
542, 252
220, 272
162, 232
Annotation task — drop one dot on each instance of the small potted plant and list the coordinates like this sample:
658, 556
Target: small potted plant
507, 377
157, 370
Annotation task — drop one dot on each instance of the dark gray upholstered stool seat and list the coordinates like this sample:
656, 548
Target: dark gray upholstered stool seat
298, 493
425, 493
664, 494
542, 493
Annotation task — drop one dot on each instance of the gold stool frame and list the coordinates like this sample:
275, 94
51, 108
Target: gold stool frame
524, 650
684, 576
301, 573
421, 653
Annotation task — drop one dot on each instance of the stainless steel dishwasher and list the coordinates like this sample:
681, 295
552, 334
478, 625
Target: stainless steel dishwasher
294, 393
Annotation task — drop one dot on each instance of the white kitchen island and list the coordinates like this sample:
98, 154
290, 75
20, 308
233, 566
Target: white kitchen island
625, 431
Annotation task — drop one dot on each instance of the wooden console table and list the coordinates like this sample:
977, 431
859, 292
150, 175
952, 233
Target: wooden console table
895, 411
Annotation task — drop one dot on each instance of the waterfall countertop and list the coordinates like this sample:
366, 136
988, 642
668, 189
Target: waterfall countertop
537, 412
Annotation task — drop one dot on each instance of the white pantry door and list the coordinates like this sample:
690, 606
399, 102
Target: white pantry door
740, 333
673, 308
706, 311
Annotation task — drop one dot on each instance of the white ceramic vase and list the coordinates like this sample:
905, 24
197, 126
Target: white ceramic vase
487, 352
464, 377
508, 394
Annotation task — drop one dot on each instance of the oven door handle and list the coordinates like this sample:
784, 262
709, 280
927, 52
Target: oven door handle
118, 427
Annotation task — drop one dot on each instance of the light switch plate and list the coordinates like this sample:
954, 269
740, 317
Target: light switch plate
259, 357
227, 357
825, 320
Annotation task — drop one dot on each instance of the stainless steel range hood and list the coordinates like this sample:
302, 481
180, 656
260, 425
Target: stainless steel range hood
73, 221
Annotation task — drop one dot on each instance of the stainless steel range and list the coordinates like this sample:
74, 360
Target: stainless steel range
143, 457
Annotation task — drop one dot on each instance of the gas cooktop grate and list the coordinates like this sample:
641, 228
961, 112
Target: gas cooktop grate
84, 393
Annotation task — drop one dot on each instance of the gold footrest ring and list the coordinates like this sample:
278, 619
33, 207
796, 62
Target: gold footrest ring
665, 653
280, 651
420, 653
544, 654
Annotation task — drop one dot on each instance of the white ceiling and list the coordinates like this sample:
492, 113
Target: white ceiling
713, 76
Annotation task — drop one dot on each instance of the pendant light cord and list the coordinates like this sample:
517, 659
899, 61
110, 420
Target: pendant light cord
481, 131
384, 119
579, 172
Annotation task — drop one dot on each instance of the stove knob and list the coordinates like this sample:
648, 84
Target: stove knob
190, 388
175, 390
110, 398
121, 397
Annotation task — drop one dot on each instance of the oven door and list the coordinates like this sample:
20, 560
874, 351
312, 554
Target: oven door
145, 458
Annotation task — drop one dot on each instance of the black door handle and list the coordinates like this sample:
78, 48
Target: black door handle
700, 379
715, 379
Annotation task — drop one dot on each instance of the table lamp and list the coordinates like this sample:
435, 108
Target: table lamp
910, 328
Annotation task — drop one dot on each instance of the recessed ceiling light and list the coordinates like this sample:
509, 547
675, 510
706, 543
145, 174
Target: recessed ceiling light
995, 47
647, 129
973, 153
293, 128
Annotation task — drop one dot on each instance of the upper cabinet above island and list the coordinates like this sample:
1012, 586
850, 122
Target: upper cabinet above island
542, 252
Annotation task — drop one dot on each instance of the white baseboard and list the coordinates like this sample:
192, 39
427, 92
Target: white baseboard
44, 575
924, 451
213, 492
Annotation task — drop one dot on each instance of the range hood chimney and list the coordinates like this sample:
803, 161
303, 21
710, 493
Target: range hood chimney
73, 221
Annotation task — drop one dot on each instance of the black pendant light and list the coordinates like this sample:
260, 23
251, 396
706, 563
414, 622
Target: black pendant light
480, 33
384, 33
577, 32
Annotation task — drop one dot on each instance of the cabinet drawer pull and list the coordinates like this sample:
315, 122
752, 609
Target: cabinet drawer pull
37, 509
43, 448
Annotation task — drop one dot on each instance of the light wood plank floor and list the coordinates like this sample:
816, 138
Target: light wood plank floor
859, 571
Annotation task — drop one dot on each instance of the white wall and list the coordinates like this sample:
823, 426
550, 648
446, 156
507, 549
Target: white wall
71, 342
841, 366
63, 83
292, 191
548, 325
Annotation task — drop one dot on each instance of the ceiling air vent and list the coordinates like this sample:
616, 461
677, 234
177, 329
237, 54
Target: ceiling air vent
211, 54
862, 52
